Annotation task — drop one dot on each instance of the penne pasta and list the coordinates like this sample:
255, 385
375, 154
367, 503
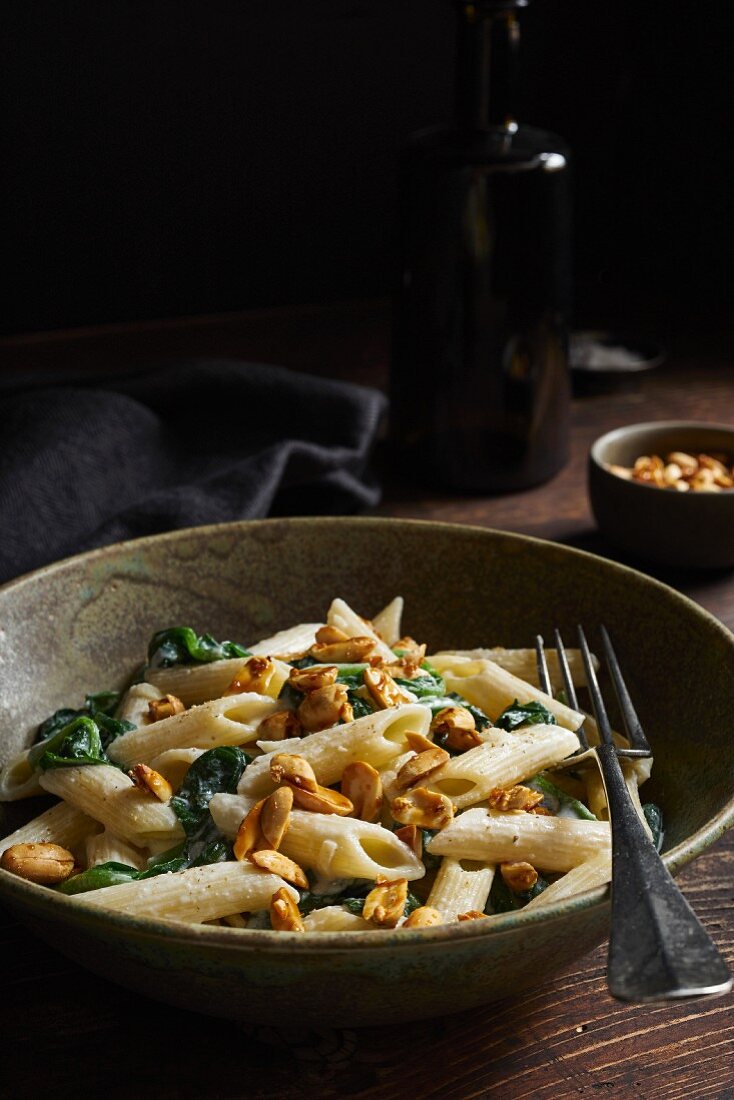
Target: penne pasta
289, 644
18, 779
195, 684
62, 824
522, 663
105, 847
196, 895
233, 720
344, 618
461, 886
343, 847
110, 797
387, 623
548, 843
588, 875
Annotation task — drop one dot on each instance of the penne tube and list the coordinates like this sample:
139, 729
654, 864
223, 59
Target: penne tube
134, 704
334, 918
593, 872
344, 618
196, 895
233, 720
549, 843
111, 797
229, 810
345, 847
502, 761
195, 684
387, 622
62, 824
522, 663
18, 779
105, 847
493, 689
174, 763
288, 645
377, 738
459, 886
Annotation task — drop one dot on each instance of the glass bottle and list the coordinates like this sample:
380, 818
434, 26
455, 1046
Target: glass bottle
479, 381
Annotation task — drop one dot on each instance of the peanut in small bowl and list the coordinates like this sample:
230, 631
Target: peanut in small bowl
691, 525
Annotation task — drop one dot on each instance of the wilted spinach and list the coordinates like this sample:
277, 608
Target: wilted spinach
504, 900
217, 770
554, 798
426, 684
101, 702
654, 817
180, 645
96, 878
524, 714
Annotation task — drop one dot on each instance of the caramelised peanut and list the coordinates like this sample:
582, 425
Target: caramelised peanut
254, 676
649, 468
383, 689
423, 917
45, 863
275, 816
348, 651
311, 679
519, 876
284, 913
165, 707
323, 801
249, 835
413, 837
294, 770
472, 914
427, 809
362, 785
456, 728
279, 864
410, 648
407, 667
417, 742
514, 798
279, 726
151, 781
325, 707
385, 904
420, 767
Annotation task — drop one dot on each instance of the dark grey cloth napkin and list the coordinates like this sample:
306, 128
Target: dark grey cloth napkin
97, 460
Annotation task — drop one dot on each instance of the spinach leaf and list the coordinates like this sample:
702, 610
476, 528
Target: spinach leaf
554, 798
654, 817
429, 683
180, 645
360, 706
215, 771
76, 743
524, 714
96, 878
101, 702
430, 862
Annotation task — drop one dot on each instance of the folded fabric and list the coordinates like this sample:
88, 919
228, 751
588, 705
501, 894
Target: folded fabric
99, 460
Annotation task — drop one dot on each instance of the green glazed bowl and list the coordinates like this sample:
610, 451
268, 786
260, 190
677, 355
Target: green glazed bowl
80, 625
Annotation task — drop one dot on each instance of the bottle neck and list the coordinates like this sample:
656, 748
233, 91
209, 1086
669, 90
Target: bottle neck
487, 53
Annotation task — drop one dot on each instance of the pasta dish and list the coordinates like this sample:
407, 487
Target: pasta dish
332, 777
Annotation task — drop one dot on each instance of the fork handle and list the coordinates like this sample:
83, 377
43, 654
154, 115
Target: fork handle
658, 950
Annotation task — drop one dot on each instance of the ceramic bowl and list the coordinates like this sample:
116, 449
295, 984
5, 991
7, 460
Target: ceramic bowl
688, 530
80, 625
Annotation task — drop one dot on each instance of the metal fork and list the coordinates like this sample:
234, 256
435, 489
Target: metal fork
658, 950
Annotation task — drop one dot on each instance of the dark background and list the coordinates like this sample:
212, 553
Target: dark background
164, 158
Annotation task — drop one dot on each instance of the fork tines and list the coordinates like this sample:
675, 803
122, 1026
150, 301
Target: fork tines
639, 746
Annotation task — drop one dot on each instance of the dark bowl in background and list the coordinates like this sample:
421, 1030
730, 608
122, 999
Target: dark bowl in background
661, 526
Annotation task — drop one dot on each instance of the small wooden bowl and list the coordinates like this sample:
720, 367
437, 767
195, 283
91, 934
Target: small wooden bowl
688, 530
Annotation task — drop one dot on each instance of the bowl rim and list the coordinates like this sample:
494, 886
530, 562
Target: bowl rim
271, 942
663, 426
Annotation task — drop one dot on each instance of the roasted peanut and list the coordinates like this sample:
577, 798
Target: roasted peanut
519, 876
420, 767
284, 913
362, 785
45, 863
294, 770
255, 676
325, 707
472, 914
323, 801
422, 807
151, 781
279, 726
165, 707
385, 904
413, 837
347, 651
279, 864
249, 835
423, 917
383, 689
456, 728
515, 798
275, 816
310, 679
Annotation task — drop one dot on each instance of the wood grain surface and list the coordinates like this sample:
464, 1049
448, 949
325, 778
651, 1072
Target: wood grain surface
65, 1032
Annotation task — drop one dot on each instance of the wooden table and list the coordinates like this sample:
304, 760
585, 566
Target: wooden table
67, 1031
